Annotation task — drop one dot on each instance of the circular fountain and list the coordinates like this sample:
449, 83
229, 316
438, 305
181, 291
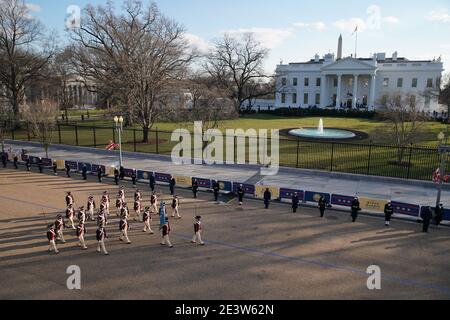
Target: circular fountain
321, 133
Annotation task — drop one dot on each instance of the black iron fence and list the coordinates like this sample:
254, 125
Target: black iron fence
407, 162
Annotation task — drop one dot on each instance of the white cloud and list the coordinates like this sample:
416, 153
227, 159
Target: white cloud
441, 15
391, 19
197, 42
268, 37
319, 25
33, 7
350, 24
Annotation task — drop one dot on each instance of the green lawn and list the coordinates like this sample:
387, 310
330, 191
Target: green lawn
354, 157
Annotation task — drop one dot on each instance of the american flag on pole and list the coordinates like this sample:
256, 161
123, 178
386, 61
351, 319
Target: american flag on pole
111, 145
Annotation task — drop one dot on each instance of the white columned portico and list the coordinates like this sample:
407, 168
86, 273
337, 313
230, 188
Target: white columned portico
338, 92
372, 92
355, 91
323, 91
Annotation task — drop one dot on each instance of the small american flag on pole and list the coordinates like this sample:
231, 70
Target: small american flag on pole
111, 145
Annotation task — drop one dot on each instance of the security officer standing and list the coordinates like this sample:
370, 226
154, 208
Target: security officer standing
40, 165
28, 164
133, 177
55, 168
388, 212
99, 174
15, 159
84, 172
439, 213
216, 190
172, 184
4, 159
122, 172
195, 187
426, 216
322, 206
295, 202
355, 208
67, 170
267, 198
116, 176
152, 182
240, 194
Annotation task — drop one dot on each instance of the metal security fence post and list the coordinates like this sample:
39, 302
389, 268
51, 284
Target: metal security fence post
134, 139
369, 158
409, 162
76, 135
298, 151
157, 141
28, 131
332, 157
95, 137
59, 133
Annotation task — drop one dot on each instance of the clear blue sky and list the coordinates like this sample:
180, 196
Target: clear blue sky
295, 30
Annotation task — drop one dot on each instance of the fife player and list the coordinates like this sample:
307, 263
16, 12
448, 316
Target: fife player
70, 213
81, 231
175, 206
154, 203
59, 226
147, 219
90, 208
137, 205
51, 236
124, 227
165, 230
198, 231
101, 236
107, 201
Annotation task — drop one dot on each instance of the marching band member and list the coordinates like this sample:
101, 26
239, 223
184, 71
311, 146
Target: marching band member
101, 219
90, 207
124, 212
101, 236
70, 199
81, 215
81, 231
137, 205
154, 203
70, 213
175, 205
59, 226
107, 200
198, 231
124, 227
165, 230
147, 219
51, 236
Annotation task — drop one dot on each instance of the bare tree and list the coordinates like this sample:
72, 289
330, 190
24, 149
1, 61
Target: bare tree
403, 121
237, 66
444, 96
24, 51
140, 55
42, 117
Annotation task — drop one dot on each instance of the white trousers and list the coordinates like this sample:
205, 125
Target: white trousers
61, 235
124, 235
147, 226
91, 213
53, 246
165, 240
197, 236
137, 214
82, 243
101, 247
175, 212
71, 222
154, 208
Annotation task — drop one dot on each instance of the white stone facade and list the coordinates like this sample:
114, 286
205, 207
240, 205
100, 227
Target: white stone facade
357, 82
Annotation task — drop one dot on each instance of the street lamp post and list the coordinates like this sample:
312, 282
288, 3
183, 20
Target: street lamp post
443, 150
119, 128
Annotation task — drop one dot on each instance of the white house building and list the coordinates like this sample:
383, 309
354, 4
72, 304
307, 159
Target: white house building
349, 82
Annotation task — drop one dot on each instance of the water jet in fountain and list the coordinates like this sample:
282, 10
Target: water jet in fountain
323, 133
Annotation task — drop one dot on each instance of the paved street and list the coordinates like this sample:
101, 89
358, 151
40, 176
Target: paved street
250, 253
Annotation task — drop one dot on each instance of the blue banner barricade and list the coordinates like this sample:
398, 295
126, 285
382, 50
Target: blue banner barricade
248, 188
286, 193
162, 177
446, 215
95, 167
406, 208
312, 196
81, 164
128, 172
46, 162
144, 175
203, 183
226, 186
33, 159
73, 165
340, 200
